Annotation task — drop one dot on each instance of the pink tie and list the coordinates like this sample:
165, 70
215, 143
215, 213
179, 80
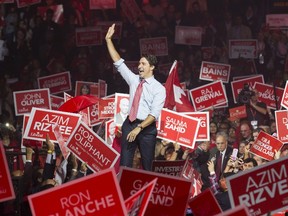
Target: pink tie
136, 99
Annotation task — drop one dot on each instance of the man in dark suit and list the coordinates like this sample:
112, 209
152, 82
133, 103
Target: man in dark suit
223, 153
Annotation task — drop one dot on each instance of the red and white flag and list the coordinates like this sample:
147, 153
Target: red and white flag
176, 98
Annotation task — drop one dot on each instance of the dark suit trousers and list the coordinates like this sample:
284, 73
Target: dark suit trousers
145, 140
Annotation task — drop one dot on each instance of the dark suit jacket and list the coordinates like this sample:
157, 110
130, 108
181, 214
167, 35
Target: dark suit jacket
227, 155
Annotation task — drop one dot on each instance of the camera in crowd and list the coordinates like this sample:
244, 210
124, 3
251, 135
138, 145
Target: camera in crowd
245, 95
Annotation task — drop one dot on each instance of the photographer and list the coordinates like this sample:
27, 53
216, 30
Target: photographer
256, 110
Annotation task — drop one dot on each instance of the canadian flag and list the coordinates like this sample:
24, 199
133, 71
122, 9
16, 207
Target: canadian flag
176, 99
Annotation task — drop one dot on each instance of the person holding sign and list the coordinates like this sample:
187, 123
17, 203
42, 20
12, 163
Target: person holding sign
147, 97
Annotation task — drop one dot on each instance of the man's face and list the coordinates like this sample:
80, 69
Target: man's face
221, 143
255, 135
247, 166
245, 131
112, 128
124, 106
145, 69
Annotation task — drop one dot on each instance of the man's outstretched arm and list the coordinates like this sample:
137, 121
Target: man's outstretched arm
111, 48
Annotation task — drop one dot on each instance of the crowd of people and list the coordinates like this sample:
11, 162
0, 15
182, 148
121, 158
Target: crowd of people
37, 45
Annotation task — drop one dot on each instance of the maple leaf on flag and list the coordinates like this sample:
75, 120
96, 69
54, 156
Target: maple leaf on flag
176, 98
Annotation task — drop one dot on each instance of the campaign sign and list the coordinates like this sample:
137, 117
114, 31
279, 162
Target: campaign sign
177, 127
173, 168
238, 85
91, 149
24, 101
92, 88
131, 10
27, 142
102, 4
156, 46
281, 118
93, 114
57, 83
56, 102
25, 3
102, 88
243, 49
81, 197
121, 110
205, 204
170, 194
240, 210
238, 112
211, 71
88, 36
277, 20
284, 101
203, 132
208, 96
138, 202
265, 146
106, 108
269, 95
188, 35
6, 187
263, 189
41, 120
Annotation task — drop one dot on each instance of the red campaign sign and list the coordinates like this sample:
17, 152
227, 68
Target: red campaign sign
24, 101
41, 120
88, 36
57, 83
102, 4
205, 204
106, 108
169, 196
93, 88
157, 46
188, 35
121, 110
277, 20
172, 168
208, 96
131, 10
204, 131
91, 149
56, 102
243, 49
263, 188
104, 25
281, 118
27, 142
238, 112
102, 88
138, 202
93, 114
267, 94
265, 146
25, 3
177, 127
238, 85
207, 53
6, 187
211, 71
284, 101
81, 197
188, 172
241, 210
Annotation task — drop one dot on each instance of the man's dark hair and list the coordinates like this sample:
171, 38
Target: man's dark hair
248, 160
151, 59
